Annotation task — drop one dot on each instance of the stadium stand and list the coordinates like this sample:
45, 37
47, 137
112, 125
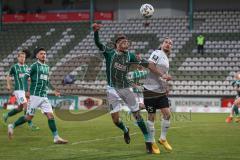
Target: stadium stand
71, 50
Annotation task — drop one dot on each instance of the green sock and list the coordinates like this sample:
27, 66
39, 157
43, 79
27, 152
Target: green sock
13, 112
19, 122
235, 110
122, 126
52, 126
30, 123
143, 127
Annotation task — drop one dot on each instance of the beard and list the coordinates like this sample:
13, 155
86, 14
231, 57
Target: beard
168, 51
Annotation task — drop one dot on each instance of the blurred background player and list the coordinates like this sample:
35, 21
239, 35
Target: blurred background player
156, 91
136, 76
236, 103
11, 101
18, 71
39, 75
118, 88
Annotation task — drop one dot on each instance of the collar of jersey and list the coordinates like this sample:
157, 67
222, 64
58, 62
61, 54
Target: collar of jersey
40, 62
121, 53
20, 64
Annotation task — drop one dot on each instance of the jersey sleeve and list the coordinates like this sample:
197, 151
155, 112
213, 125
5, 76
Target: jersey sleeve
133, 60
11, 72
133, 57
154, 57
26, 77
102, 47
30, 71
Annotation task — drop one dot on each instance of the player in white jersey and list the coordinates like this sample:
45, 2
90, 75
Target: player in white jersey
156, 91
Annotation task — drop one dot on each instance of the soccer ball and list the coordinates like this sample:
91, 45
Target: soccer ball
147, 10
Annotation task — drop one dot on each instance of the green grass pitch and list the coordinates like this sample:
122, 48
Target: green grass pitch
193, 137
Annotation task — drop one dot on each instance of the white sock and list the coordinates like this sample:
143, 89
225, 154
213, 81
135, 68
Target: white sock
165, 126
151, 130
56, 137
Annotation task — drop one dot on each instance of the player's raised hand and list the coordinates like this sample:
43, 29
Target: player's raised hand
57, 93
96, 27
167, 77
9, 88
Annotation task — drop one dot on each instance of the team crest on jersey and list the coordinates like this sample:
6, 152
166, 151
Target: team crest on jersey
120, 66
155, 57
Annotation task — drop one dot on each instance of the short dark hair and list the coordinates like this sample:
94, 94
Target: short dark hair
120, 37
27, 52
38, 49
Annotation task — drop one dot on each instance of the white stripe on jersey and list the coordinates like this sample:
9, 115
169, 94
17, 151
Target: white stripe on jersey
42, 81
23, 77
36, 81
17, 74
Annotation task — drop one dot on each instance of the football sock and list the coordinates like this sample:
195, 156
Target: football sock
235, 110
143, 127
121, 125
151, 130
30, 124
165, 125
52, 126
19, 122
13, 112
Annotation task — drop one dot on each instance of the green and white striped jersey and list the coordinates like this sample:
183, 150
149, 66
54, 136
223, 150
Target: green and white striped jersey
117, 65
39, 74
18, 71
136, 76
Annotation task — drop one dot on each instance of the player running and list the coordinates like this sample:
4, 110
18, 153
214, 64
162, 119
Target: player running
118, 61
39, 75
156, 91
236, 103
18, 71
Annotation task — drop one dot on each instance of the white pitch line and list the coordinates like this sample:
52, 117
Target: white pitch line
100, 139
92, 140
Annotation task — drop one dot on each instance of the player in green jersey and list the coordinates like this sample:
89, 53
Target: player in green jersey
39, 75
17, 71
236, 103
118, 60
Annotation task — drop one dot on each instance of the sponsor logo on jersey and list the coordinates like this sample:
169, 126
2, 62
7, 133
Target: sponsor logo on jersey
44, 77
120, 66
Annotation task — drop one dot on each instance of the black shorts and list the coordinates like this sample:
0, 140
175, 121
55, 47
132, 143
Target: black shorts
154, 101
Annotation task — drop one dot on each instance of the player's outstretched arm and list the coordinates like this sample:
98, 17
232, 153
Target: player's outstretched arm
57, 93
96, 28
154, 69
8, 78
